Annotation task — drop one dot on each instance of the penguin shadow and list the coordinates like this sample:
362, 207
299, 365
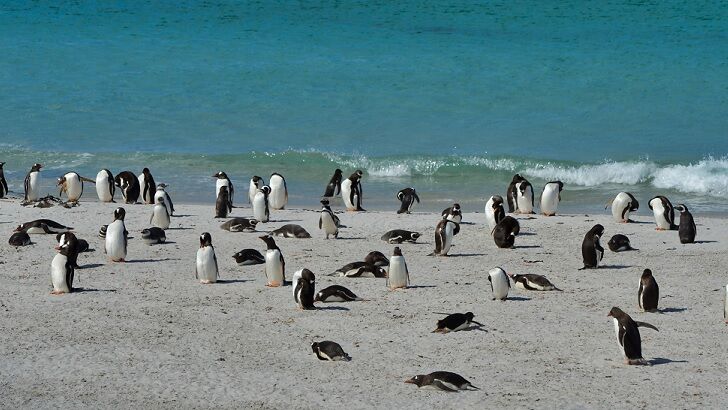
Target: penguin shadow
639, 222
89, 290
332, 308
518, 298
704, 242
179, 228
527, 247
421, 286
467, 223
661, 360
352, 238
92, 265
225, 281
182, 216
152, 260
455, 255
284, 220
527, 234
166, 243
614, 267
672, 310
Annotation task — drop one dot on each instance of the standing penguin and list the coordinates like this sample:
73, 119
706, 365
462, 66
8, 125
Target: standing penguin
524, 197
664, 213
453, 213
591, 250
511, 193
32, 183
328, 221
147, 187
648, 293
398, 276
261, 212
504, 234
69, 240
162, 193
255, 183
407, 197
160, 215
206, 263
351, 191
62, 270
305, 289
499, 283
687, 229
334, 186
116, 237
628, 336
222, 205
494, 212
3, 183
622, 205
550, 197
278, 197
105, 187
223, 180
444, 233
129, 185
72, 185
275, 265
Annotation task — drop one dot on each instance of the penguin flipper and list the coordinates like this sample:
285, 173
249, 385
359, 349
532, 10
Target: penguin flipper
445, 386
645, 324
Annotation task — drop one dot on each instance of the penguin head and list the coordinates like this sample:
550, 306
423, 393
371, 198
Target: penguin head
145, 171
60, 181
616, 313
269, 241
314, 346
325, 202
597, 230
397, 251
220, 175
469, 316
224, 189
418, 380
646, 274
415, 235
36, 167
205, 240
160, 200
265, 189
119, 214
307, 275
455, 208
19, 228
162, 186
2, 164
681, 207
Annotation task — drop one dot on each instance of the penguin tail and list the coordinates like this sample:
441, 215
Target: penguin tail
472, 387
608, 204
583, 268
557, 289
431, 254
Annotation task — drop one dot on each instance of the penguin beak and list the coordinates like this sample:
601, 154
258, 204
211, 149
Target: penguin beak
410, 381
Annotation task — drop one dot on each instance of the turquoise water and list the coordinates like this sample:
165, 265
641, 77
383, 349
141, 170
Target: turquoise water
449, 97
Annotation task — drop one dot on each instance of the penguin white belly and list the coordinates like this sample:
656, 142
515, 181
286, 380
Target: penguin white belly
500, 284
160, 217
398, 276
328, 224
273, 267
219, 183
115, 241
102, 187
659, 211
34, 186
58, 274
490, 214
550, 199
251, 192
525, 204
74, 187
449, 229
259, 207
206, 266
346, 195
145, 198
616, 332
35, 230
621, 201
296, 290
277, 196
162, 194
455, 218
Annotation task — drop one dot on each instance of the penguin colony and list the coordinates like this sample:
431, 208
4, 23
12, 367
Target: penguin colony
264, 198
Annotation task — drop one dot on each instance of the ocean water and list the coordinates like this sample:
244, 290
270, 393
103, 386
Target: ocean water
449, 97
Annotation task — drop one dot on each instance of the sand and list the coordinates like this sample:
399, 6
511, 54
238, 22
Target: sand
147, 334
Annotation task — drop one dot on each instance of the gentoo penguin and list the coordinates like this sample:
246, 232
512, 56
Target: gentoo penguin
531, 281
664, 213
160, 215
336, 293
105, 186
223, 180
453, 213
511, 193
687, 229
278, 197
240, 225
102, 231
504, 234
351, 191
524, 197
398, 275
261, 212
19, 239
550, 197
619, 243
32, 183
248, 257
275, 265
360, 270
334, 186
328, 221
116, 237
400, 235
455, 322
291, 231
69, 241
206, 263
648, 293
445, 381
129, 185
499, 283
591, 250
328, 350
494, 212
628, 336
62, 270
72, 185
444, 233
162, 193
255, 184
3, 183
147, 187
622, 205
407, 197
222, 204
42, 226
154, 235
376, 258
305, 289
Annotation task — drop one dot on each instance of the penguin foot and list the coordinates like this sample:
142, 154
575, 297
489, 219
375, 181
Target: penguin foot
205, 281
659, 229
637, 362
57, 293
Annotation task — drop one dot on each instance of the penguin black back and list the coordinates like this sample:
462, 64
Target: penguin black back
504, 234
687, 229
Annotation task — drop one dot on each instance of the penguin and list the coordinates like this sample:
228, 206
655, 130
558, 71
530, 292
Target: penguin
328, 221
69, 242
398, 275
336, 293
147, 187
376, 258
360, 269
19, 239
278, 197
3, 183
223, 180
351, 192
550, 197
453, 213
33, 183
407, 197
445, 381
160, 215
456, 322
400, 235
62, 270
305, 289
129, 185
648, 293
511, 193
240, 225
619, 243
622, 205
154, 235
687, 229
499, 283
291, 231
255, 183
444, 233
102, 231
222, 204
248, 257
664, 213
261, 212
72, 185
162, 193
275, 265
116, 237
494, 212
333, 188
628, 336
40, 226
105, 187
591, 250
504, 234
531, 281
328, 350
206, 264
524, 197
